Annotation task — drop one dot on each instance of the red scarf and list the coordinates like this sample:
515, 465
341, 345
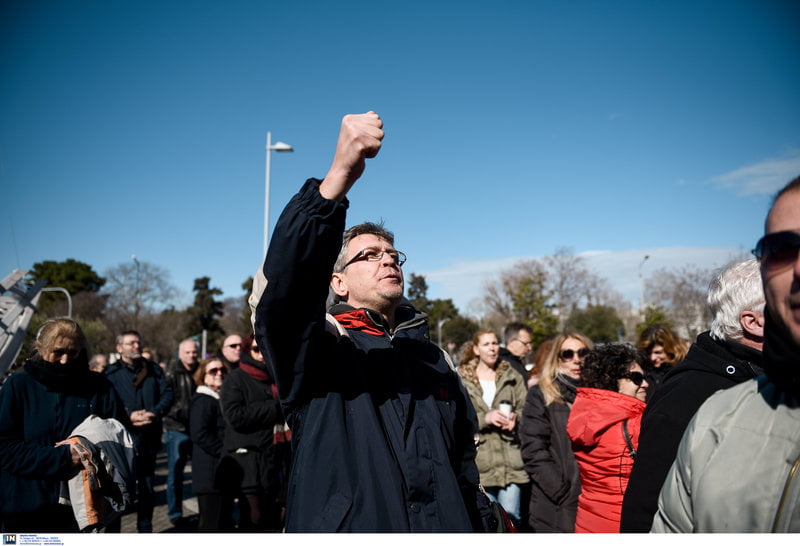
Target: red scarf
357, 319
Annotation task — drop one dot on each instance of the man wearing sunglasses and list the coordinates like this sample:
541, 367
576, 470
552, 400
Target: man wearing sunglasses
726, 355
738, 465
382, 428
231, 350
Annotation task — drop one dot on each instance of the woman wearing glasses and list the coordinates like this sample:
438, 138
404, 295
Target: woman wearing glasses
546, 449
604, 429
207, 429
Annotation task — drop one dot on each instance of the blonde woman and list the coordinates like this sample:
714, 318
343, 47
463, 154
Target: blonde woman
497, 392
546, 449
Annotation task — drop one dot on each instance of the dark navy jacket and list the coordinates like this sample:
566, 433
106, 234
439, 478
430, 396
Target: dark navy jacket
382, 428
151, 394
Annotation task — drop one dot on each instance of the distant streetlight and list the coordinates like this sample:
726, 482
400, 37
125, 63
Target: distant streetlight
64, 290
278, 147
641, 286
136, 300
440, 324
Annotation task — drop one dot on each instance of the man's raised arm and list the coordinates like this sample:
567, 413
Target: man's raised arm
359, 139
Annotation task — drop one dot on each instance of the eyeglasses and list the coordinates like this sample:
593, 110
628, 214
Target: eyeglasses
777, 251
234, 345
636, 377
569, 354
372, 254
216, 371
528, 343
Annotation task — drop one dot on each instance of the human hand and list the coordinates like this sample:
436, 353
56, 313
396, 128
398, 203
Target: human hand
140, 418
497, 418
359, 139
76, 451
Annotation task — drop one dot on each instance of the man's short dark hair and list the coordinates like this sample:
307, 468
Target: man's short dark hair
512, 330
128, 333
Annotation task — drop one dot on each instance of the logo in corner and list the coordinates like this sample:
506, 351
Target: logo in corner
9, 539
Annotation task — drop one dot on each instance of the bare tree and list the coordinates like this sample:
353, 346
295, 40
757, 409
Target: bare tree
682, 292
135, 289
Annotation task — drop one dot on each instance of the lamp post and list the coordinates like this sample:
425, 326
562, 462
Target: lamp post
440, 324
278, 147
136, 301
641, 286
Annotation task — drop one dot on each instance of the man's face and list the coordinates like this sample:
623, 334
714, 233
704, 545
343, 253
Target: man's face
187, 354
129, 348
232, 348
370, 284
520, 345
782, 279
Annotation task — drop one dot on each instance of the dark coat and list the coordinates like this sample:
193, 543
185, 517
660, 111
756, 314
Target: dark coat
549, 460
182, 383
709, 366
382, 428
515, 362
33, 418
152, 393
207, 428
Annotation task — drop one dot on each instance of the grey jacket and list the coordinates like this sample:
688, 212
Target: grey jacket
737, 465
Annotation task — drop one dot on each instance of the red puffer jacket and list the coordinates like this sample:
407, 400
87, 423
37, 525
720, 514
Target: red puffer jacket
604, 459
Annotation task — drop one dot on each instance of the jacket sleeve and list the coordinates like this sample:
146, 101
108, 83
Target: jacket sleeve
202, 426
165, 393
27, 459
675, 513
535, 435
289, 321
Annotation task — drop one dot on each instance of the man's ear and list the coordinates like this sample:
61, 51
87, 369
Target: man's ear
752, 323
339, 285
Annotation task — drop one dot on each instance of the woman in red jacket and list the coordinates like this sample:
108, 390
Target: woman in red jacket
604, 429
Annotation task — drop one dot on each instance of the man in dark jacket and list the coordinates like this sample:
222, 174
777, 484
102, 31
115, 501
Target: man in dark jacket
727, 355
382, 428
517, 339
176, 425
144, 391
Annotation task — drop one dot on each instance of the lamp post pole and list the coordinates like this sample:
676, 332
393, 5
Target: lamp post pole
641, 287
278, 147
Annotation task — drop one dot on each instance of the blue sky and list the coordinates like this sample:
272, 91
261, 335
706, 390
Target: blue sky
513, 128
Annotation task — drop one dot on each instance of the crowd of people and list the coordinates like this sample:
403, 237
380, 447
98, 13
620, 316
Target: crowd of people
338, 413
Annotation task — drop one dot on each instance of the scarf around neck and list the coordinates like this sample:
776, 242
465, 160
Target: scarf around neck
781, 354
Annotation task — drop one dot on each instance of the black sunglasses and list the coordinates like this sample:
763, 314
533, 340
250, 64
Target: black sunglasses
569, 354
636, 377
777, 250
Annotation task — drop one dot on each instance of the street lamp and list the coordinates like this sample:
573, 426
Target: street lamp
440, 324
641, 286
278, 147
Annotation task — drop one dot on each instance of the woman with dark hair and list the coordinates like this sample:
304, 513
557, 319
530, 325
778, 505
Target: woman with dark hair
604, 428
207, 429
39, 408
497, 392
546, 449
256, 449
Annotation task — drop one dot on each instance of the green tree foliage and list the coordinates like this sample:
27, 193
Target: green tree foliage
72, 275
653, 315
205, 312
599, 322
418, 293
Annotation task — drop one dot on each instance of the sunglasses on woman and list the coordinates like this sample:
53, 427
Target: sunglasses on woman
777, 251
216, 371
569, 354
636, 377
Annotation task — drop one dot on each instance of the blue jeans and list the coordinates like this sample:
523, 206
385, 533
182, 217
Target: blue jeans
179, 449
509, 499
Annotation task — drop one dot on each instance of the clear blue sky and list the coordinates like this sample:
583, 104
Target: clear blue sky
512, 128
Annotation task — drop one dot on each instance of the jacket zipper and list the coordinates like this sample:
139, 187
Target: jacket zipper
785, 494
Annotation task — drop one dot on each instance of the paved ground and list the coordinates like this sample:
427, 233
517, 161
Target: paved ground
161, 523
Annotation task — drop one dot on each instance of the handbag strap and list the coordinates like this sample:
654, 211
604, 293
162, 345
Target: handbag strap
631, 450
